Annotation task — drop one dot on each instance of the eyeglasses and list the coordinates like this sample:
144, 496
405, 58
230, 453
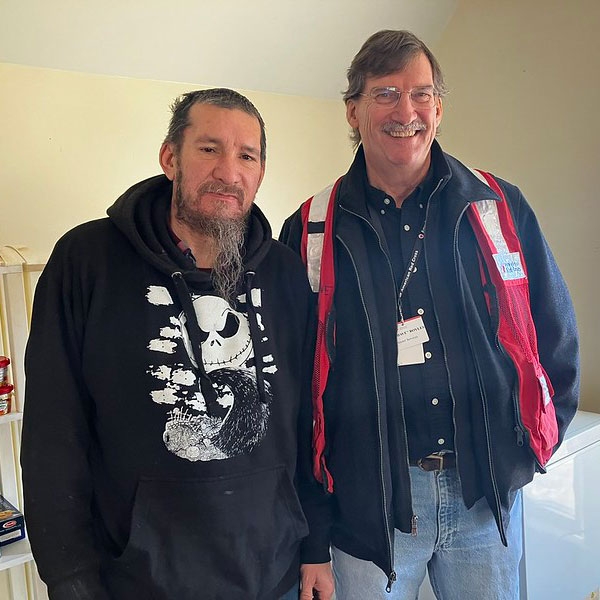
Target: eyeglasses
420, 97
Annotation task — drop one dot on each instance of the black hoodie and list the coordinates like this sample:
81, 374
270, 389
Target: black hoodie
160, 429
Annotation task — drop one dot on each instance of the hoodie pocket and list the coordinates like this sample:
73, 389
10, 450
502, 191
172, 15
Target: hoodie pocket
231, 537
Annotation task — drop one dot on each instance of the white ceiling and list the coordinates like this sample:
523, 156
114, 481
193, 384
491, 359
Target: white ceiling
282, 46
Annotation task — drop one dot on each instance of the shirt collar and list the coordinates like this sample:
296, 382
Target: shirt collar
379, 200
181, 244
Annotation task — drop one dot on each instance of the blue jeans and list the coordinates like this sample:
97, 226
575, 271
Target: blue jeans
461, 549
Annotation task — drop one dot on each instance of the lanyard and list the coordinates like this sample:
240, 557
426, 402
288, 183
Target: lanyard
410, 269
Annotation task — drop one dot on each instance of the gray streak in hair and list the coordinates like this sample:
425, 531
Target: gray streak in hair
221, 97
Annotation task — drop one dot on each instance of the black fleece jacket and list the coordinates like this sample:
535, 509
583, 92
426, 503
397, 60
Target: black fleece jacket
160, 434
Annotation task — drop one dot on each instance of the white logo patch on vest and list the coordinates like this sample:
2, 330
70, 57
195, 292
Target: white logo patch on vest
509, 265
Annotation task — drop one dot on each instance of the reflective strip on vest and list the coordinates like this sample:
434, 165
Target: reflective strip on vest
314, 240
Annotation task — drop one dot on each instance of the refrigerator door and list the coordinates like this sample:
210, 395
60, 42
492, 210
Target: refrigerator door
561, 519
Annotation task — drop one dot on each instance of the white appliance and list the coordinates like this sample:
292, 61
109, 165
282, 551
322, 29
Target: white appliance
561, 521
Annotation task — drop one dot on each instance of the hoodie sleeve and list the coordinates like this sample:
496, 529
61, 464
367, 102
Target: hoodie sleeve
552, 311
56, 435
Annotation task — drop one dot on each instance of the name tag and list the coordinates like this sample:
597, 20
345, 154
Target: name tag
413, 355
410, 337
509, 266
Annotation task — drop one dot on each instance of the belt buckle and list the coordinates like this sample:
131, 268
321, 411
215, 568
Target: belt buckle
438, 457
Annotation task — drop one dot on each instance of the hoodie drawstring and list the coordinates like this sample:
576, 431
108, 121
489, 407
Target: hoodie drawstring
255, 336
185, 298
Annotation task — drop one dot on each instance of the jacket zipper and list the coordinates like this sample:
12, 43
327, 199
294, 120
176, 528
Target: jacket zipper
520, 431
498, 509
392, 574
414, 518
519, 428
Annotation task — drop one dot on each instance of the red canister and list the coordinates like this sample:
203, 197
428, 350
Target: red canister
4, 362
6, 390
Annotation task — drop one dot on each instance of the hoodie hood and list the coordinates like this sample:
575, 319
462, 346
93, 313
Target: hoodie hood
141, 214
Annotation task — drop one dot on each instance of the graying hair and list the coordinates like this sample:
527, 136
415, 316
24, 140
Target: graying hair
386, 52
221, 97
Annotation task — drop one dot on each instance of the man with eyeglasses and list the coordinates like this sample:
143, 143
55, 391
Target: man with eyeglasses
447, 363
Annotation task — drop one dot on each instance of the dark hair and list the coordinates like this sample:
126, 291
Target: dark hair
385, 52
221, 97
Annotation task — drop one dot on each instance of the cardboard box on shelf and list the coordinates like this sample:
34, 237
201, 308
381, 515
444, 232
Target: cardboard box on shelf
12, 525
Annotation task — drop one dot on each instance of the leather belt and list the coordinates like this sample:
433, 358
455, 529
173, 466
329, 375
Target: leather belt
437, 462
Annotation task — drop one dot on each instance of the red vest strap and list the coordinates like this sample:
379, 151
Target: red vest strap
500, 250
317, 254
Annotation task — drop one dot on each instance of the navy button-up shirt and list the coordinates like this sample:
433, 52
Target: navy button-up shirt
425, 387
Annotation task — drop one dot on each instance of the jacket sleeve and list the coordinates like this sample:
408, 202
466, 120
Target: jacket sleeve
56, 437
316, 502
552, 311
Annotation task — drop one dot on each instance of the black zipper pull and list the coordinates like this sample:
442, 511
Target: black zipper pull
520, 435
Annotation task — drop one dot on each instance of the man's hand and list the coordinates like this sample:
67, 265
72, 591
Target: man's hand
316, 581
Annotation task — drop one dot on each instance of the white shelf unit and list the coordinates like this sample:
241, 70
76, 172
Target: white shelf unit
15, 554
18, 277
12, 416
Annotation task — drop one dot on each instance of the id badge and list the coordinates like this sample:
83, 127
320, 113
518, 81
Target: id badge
410, 337
413, 355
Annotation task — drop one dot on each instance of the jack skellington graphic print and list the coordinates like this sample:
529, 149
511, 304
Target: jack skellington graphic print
236, 420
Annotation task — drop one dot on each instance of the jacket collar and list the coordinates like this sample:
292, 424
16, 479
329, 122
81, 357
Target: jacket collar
461, 185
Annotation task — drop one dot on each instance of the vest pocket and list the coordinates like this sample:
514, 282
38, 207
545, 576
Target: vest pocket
517, 334
547, 426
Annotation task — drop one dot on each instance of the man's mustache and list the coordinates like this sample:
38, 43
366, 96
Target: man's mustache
395, 127
214, 187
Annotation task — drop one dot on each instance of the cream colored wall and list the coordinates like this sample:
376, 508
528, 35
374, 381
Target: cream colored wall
523, 103
4, 586
72, 143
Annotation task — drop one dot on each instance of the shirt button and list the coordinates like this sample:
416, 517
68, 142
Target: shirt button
386, 201
435, 401
420, 206
441, 441
420, 311
427, 354
407, 228
382, 211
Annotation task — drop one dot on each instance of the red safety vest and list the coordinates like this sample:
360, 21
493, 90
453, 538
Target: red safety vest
500, 251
